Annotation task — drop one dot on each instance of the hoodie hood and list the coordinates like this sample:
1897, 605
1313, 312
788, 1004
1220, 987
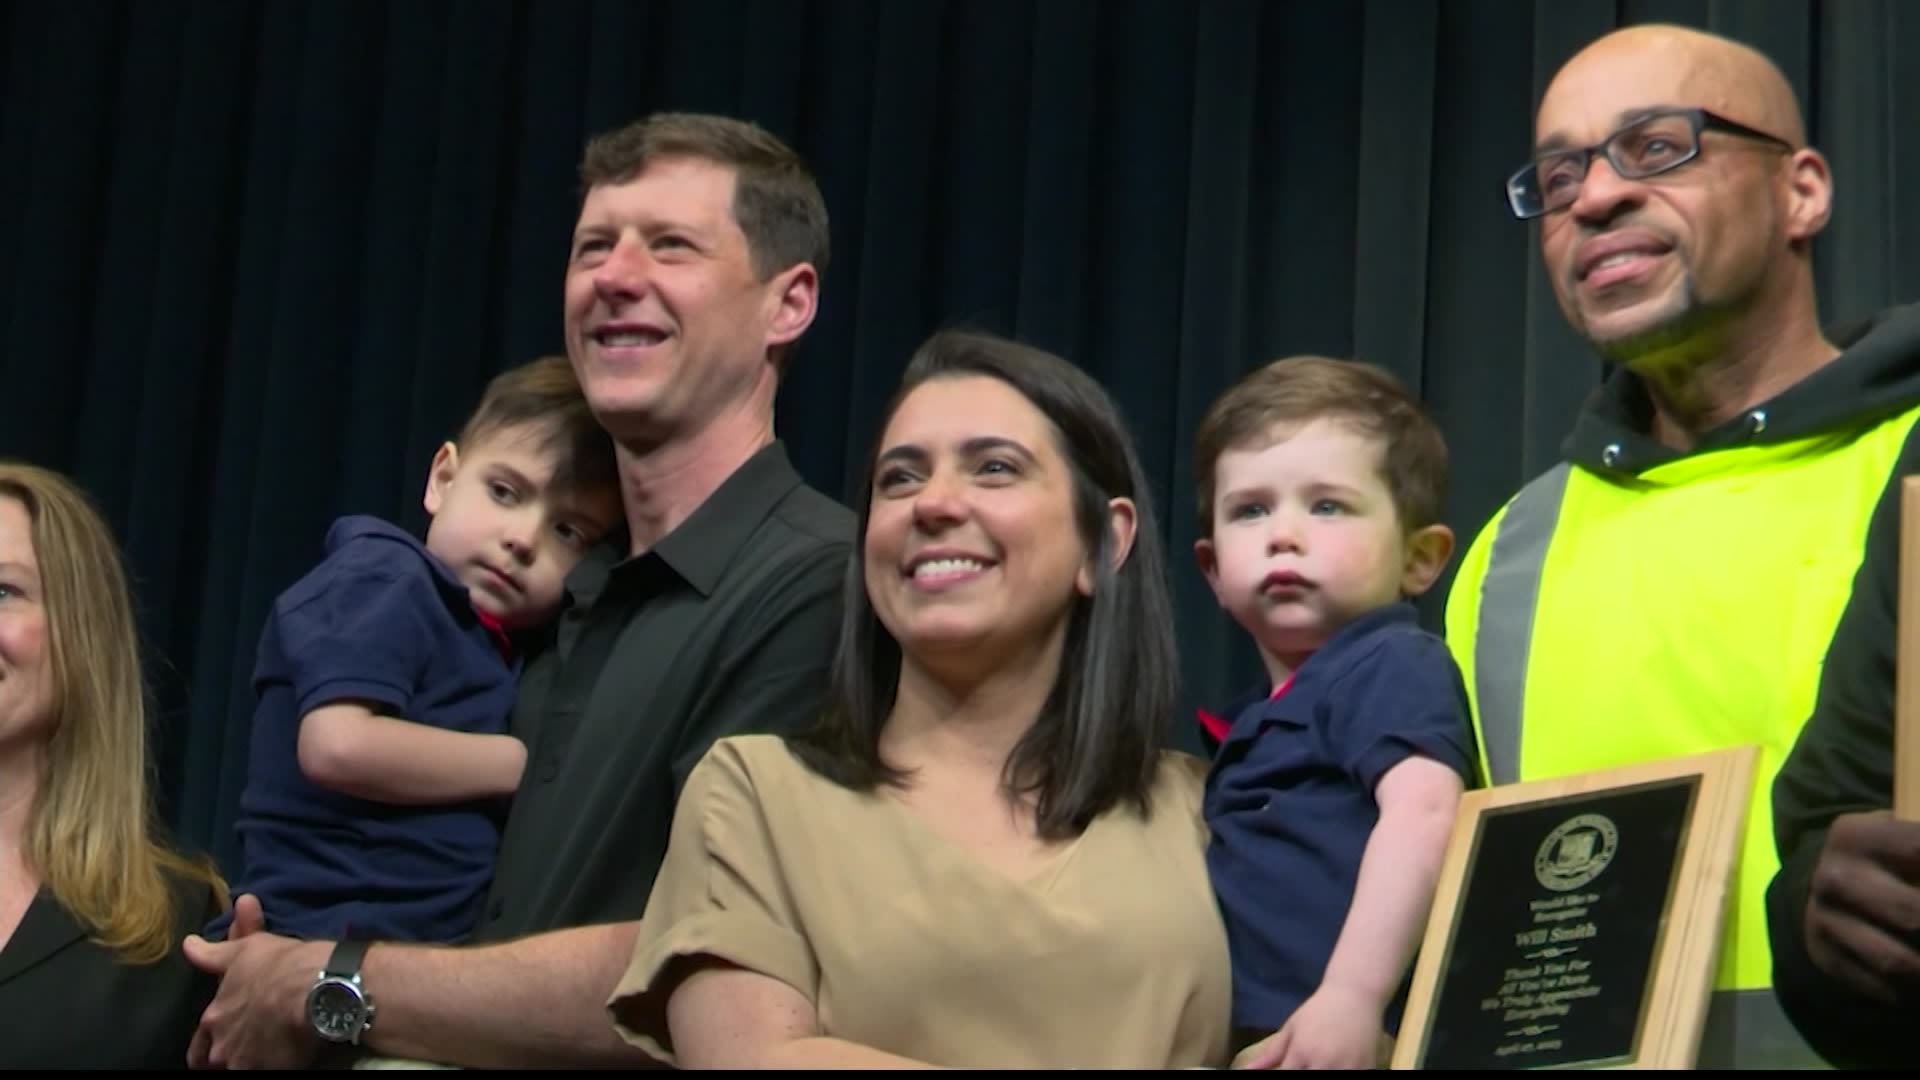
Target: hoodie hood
1876, 375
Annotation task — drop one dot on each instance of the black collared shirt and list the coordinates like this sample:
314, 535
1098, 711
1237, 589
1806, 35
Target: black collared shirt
726, 626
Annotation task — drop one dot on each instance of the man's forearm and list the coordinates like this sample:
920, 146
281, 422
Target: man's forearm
536, 1001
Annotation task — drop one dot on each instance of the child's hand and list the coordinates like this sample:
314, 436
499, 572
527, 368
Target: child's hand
1333, 1029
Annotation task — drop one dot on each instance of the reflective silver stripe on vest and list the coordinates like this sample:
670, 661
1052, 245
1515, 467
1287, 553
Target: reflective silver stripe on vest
1508, 593
1745, 1029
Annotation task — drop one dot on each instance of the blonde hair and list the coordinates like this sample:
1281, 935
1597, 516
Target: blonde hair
90, 831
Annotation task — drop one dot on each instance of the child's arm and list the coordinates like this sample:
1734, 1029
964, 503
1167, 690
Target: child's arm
1340, 1026
1398, 875
353, 750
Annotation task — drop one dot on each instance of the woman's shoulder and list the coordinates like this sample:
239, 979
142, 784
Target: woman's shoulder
1182, 769
1180, 778
83, 1005
754, 766
753, 754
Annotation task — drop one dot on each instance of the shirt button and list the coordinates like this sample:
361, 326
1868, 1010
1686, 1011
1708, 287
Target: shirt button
1756, 421
496, 908
1610, 457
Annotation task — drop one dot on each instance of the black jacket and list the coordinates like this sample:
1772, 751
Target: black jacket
1843, 760
67, 1003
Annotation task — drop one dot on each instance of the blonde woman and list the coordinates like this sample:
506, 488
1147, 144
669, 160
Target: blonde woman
93, 905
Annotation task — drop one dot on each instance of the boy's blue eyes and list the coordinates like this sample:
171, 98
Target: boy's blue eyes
1319, 506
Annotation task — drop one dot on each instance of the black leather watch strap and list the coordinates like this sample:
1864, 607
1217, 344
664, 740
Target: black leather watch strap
346, 958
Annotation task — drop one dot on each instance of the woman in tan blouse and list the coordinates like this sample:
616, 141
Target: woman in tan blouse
980, 857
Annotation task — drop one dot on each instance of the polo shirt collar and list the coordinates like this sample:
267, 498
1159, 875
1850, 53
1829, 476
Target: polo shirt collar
1219, 725
1327, 660
701, 548
1331, 654
360, 526
1398, 613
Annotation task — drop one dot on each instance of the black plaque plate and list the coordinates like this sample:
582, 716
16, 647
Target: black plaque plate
1557, 927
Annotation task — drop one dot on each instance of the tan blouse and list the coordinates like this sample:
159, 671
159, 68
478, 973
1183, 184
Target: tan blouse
1113, 956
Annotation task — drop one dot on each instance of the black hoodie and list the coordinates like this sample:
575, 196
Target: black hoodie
1877, 376
1843, 760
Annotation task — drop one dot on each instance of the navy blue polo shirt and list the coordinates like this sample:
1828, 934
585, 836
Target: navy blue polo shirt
1290, 798
381, 621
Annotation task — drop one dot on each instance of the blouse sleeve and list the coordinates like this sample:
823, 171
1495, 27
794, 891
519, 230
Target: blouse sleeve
720, 893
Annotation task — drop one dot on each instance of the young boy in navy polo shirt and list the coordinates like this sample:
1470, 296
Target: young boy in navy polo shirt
1333, 787
380, 766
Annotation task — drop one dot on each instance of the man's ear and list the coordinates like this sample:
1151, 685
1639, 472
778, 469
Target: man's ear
796, 292
1428, 550
446, 462
1123, 524
1809, 196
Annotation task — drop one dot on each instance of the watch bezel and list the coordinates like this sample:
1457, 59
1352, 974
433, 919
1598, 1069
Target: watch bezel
349, 986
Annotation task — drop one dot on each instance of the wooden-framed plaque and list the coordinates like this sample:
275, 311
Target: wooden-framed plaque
1577, 920
1906, 701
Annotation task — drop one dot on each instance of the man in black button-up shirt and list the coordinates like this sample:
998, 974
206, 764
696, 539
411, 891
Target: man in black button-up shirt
695, 265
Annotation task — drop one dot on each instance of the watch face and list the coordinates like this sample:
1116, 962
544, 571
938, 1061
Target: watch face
335, 1009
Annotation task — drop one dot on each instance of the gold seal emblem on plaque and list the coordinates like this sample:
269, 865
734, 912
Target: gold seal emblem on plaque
1575, 852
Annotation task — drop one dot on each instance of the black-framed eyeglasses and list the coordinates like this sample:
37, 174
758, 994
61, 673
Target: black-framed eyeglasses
1655, 143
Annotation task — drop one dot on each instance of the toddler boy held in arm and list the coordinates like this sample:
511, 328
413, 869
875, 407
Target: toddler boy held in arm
1334, 785
381, 766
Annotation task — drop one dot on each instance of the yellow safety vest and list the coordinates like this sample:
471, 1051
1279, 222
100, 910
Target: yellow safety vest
1602, 620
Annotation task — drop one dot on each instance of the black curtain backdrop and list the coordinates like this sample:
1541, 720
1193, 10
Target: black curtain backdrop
256, 260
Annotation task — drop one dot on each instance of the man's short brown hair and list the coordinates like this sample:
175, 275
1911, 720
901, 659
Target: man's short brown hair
544, 397
775, 198
1299, 389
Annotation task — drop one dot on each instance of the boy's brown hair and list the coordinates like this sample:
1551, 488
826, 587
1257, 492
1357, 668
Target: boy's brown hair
545, 395
776, 201
1299, 389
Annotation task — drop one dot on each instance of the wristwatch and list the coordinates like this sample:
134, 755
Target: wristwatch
338, 1006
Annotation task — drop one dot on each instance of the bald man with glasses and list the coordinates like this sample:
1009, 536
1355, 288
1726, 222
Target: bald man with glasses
1720, 514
